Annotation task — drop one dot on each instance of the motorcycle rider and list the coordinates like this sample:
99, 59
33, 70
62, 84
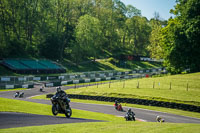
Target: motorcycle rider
159, 119
116, 104
61, 94
131, 113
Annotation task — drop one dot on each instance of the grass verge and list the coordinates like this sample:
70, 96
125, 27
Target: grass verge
18, 89
177, 88
115, 124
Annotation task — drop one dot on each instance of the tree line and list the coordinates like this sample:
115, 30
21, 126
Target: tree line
178, 43
89, 29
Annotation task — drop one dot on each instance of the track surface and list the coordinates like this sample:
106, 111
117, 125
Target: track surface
11, 120
141, 114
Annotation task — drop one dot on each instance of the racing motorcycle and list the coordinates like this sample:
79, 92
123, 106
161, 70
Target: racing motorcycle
118, 107
19, 94
130, 117
60, 106
16, 94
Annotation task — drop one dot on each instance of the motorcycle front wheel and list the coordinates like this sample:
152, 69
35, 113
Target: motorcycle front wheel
68, 113
54, 110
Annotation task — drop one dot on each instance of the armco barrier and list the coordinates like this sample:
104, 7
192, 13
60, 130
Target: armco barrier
180, 106
13, 86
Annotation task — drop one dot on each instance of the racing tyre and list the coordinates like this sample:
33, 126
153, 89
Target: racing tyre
68, 113
54, 110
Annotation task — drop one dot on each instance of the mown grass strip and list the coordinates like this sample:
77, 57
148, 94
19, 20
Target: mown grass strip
17, 89
109, 127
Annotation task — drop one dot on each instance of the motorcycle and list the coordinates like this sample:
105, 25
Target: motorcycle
16, 94
130, 117
59, 106
42, 89
19, 94
118, 107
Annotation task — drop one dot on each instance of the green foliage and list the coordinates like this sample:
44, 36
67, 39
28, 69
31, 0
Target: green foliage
88, 35
72, 29
181, 42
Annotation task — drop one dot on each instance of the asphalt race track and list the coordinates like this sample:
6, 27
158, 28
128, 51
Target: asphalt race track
31, 120
11, 120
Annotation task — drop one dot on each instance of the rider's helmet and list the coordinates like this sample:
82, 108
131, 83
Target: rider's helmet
129, 110
58, 89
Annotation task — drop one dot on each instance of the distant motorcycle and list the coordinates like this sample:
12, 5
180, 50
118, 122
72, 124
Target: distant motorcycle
16, 94
130, 117
19, 94
59, 106
118, 107
41, 89
160, 119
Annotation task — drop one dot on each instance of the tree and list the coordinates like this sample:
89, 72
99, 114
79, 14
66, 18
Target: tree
181, 41
138, 35
88, 35
155, 39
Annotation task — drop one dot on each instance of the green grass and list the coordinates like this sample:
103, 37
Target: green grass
17, 89
108, 64
10, 105
161, 90
115, 124
109, 127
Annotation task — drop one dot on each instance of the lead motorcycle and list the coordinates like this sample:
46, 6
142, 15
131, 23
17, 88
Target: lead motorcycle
59, 106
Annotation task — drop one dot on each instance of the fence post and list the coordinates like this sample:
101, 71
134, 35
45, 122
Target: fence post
170, 86
153, 84
187, 86
138, 85
109, 84
97, 85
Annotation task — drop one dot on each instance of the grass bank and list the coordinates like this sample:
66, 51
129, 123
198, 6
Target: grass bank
183, 88
98, 65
